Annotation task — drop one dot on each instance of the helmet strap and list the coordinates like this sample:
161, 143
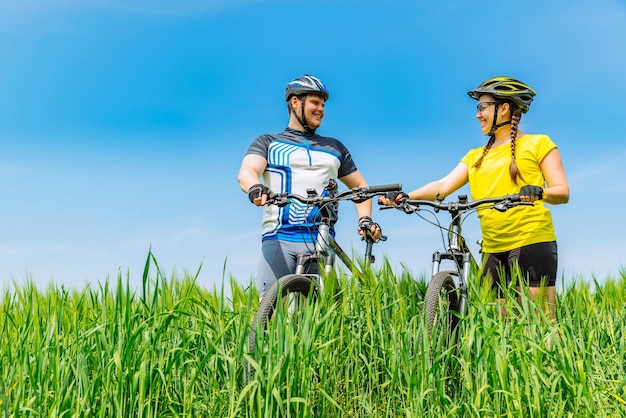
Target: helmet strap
301, 119
495, 127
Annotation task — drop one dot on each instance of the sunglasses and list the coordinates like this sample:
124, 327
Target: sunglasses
484, 105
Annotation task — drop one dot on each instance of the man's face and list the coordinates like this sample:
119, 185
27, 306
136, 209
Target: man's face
314, 110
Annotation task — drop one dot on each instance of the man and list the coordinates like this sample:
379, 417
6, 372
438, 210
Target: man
293, 161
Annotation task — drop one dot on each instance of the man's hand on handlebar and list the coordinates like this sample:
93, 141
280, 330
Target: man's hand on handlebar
258, 194
393, 198
367, 225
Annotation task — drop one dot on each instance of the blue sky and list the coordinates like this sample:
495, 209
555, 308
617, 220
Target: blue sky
123, 124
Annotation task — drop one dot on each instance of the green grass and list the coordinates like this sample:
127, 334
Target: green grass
174, 349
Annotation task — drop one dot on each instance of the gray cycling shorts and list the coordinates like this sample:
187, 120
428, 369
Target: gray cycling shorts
278, 258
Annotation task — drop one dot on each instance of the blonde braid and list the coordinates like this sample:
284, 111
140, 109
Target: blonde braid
513, 169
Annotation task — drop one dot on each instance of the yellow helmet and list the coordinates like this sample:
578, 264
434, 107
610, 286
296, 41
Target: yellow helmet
506, 88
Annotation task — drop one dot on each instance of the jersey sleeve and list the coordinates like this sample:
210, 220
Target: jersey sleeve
260, 146
348, 165
472, 156
543, 147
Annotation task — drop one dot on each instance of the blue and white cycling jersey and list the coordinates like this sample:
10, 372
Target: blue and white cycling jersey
295, 163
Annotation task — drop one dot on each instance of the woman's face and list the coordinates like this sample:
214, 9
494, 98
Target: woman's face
485, 110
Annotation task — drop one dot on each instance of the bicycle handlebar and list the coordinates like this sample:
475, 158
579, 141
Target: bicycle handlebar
383, 188
356, 194
501, 204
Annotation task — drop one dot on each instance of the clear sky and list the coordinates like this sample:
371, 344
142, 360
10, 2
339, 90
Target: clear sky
123, 123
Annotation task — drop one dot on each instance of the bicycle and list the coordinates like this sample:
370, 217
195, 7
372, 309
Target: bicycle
443, 289
297, 287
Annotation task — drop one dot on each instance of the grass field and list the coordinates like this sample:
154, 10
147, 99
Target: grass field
174, 349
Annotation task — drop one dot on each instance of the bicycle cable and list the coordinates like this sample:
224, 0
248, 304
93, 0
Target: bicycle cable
437, 223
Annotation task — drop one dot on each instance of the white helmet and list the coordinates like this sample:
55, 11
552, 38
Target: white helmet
307, 84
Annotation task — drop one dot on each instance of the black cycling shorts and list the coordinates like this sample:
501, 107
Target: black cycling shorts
537, 263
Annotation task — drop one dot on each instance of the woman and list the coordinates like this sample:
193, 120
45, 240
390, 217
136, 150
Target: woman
512, 161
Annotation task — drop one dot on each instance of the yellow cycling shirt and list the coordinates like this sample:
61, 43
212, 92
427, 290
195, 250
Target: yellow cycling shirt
522, 225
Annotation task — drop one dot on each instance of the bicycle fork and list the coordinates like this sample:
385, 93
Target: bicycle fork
462, 262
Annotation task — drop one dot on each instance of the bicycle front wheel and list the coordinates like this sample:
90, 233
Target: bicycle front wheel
442, 301
294, 289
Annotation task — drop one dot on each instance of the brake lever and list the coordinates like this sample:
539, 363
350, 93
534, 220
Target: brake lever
403, 207
276, 200
409, 209
504, 206
360, 199
367, 236
367, 232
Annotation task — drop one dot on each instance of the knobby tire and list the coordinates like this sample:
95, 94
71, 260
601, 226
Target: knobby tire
442, 286
291, 284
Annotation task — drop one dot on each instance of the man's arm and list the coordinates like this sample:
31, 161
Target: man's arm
252, 168
356, 179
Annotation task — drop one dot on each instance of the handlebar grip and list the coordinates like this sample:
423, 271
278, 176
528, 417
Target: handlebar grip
385, 188
277, 199
515, 198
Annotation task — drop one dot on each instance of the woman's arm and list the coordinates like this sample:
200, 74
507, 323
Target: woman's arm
454, 180
557, 190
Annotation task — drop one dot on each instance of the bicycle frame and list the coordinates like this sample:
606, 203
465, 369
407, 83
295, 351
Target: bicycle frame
326, 248
458, 252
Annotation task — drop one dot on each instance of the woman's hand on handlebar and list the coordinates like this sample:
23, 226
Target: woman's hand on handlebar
393, 198
529, 193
